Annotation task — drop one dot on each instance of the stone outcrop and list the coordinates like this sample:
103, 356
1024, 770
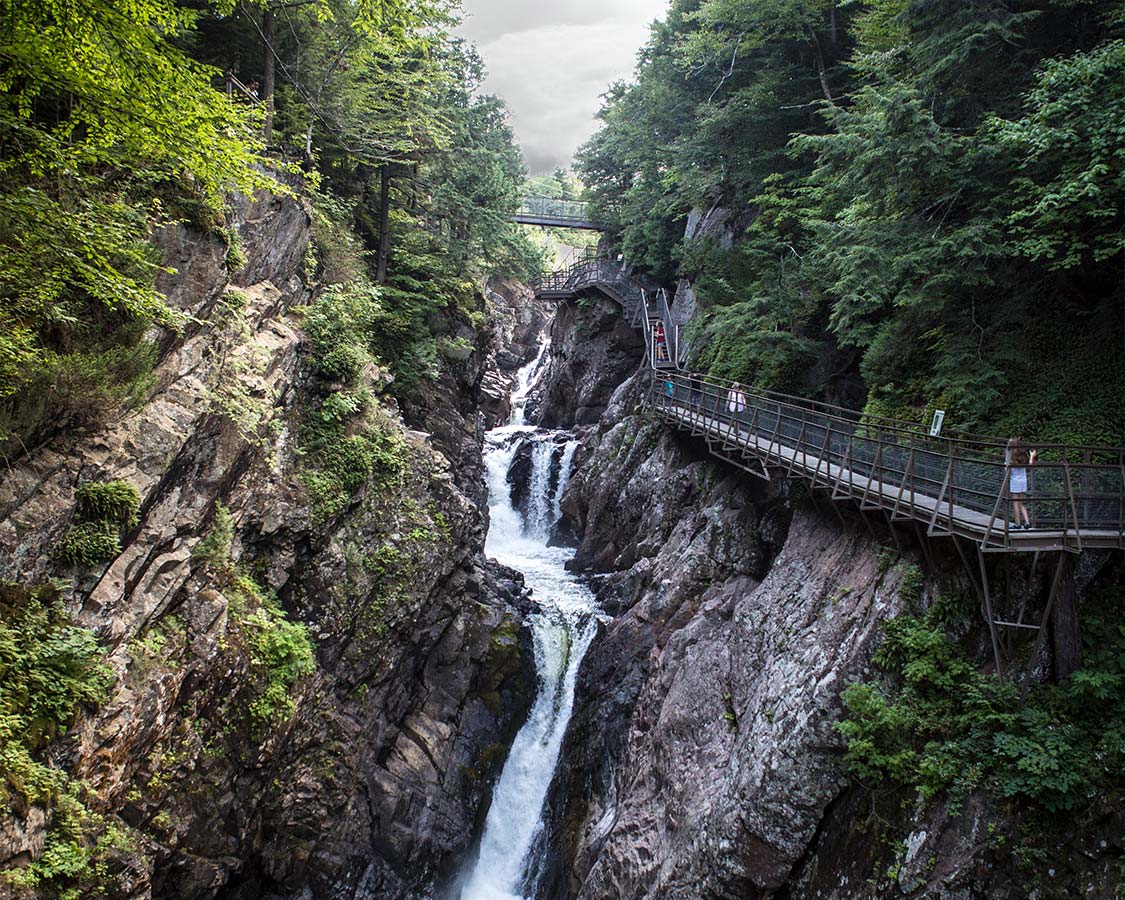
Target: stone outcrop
705, 737
373, 784
592, 351
520, 320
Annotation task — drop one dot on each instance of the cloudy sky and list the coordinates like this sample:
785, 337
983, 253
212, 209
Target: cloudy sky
552, 59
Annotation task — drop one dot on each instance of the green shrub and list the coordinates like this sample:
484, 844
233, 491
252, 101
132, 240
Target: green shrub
340, 406
946, 728
281, 651
50, 669
214, 550
102, 509
114, 501
336, 253
339, 326
89, 543
236, 254
342, 465
343, 362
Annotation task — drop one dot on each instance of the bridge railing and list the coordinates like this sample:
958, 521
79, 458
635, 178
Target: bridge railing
606, 274
554, 208
951, 483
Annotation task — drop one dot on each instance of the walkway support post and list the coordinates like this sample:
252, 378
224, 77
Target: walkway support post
991, 617
1065, 634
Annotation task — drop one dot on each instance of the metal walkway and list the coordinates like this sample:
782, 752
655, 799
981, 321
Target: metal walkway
555, 213
951, 486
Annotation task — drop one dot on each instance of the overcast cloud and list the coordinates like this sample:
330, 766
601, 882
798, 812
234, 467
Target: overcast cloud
551, 61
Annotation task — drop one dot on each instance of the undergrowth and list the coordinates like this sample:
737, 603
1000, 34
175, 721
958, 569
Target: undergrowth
943, 728
103, 509
280, 650
346, 439
50, 669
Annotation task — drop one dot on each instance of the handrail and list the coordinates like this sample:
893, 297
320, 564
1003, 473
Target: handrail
608, 275
232, 84
556, 210
946, 482
967, 439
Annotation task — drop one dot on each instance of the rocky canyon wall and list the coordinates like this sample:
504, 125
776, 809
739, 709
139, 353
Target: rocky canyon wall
220, 764
703, 760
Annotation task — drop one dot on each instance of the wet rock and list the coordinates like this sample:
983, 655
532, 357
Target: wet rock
519, 321
550, 449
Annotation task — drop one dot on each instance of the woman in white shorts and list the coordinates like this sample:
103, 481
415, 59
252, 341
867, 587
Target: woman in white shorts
1019, 460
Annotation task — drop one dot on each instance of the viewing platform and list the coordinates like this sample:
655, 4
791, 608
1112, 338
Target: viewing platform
949, 485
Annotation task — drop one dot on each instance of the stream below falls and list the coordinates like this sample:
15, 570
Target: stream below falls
512, 848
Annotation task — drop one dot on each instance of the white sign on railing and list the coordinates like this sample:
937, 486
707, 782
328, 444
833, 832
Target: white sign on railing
935, 426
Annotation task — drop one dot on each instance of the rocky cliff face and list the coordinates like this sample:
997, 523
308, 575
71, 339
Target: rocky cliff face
592, 351
705, 740
703, 761
521, 320
215, 770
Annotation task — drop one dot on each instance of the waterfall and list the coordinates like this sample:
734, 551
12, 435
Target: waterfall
525, 381
540, 502
566, 464
562, 629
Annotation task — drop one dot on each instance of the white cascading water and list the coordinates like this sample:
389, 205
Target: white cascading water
566, 464
525, 380
540, 502
562, 630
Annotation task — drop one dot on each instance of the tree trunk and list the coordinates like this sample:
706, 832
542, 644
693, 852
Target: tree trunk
820, 68
268, 72
384, 222
1065, 633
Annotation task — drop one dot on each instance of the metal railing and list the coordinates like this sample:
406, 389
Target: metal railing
594, 272
554, 211
953, 485
659, 347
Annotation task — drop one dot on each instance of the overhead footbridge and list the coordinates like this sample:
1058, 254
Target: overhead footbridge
552, 212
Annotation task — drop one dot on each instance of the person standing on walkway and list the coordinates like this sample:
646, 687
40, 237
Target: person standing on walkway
736, 400
1018, 460
695, 390
660, 339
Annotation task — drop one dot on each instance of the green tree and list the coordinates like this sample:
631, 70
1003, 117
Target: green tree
101, 114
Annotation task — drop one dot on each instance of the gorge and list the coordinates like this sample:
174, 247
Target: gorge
367, 535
